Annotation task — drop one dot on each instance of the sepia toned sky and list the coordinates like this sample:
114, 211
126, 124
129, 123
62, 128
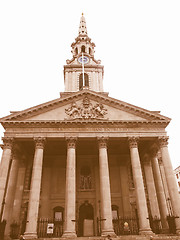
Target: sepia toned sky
137, 41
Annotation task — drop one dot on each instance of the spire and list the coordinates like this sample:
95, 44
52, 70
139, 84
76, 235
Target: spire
82, 26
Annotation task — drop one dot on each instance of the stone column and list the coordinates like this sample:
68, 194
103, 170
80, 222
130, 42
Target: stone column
144, 226
151, 187
159, 190
4, 169
19, 191
11, 187
34, 197
105, 192
70, 197
171, 181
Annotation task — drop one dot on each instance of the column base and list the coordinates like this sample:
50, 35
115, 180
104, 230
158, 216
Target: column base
69, 235
108, 233
146, 232
30, 235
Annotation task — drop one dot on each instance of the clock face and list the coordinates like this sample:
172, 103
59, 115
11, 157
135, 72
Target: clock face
83, 59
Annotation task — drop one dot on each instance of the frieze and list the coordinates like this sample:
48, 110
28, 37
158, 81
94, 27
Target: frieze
86, 110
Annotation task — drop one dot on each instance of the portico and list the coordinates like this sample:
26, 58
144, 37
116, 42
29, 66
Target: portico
110, 160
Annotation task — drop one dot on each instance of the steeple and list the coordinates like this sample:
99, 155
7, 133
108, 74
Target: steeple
83, 70
82, 26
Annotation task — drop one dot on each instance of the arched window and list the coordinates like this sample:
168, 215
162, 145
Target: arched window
85, 173
86, 80
76, 51
83, 49
89, 50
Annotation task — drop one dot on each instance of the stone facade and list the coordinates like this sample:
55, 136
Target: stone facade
86, 160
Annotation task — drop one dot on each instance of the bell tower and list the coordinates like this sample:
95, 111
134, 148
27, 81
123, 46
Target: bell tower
83, 71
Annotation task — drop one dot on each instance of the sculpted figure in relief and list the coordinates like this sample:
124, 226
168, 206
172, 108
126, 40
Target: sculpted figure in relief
86, 110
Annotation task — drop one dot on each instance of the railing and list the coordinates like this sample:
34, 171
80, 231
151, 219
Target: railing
126, 226
50, 228
122, 226
171, 223
155, 224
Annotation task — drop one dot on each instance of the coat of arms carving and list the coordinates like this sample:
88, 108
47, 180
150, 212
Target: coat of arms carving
86, 110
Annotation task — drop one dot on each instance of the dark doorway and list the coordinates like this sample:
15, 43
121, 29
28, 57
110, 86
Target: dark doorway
86, 217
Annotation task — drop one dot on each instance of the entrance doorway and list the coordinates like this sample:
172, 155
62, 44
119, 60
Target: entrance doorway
86, 220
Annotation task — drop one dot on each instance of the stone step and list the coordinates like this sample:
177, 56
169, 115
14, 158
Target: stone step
129, 237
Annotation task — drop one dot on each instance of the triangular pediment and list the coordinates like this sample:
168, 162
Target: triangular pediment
85, 105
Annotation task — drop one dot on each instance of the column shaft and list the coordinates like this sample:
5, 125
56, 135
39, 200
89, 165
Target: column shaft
171, 181
33, 207
105, 192
18, 193
151, 189
4, 169
139, 188
7, 214
70, 197
160, 193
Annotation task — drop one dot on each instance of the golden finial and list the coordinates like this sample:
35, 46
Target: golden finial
82, 14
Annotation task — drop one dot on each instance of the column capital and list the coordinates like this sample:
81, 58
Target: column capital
71, 142
133, 142
163, 141
40, 142
102, 141
7, 142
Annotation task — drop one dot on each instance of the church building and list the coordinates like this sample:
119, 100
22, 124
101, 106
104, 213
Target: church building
86, 164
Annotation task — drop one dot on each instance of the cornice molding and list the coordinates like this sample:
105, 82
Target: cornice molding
88, 123
150, 116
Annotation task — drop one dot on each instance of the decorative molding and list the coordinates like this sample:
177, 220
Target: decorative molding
40, 142
163, 141
71, 142
86, 110
157, 125
102, 141
133, 142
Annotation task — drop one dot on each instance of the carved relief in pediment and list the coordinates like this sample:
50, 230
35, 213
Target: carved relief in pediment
86, 110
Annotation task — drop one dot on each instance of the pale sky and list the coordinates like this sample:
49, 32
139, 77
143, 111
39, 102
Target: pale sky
138, 43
